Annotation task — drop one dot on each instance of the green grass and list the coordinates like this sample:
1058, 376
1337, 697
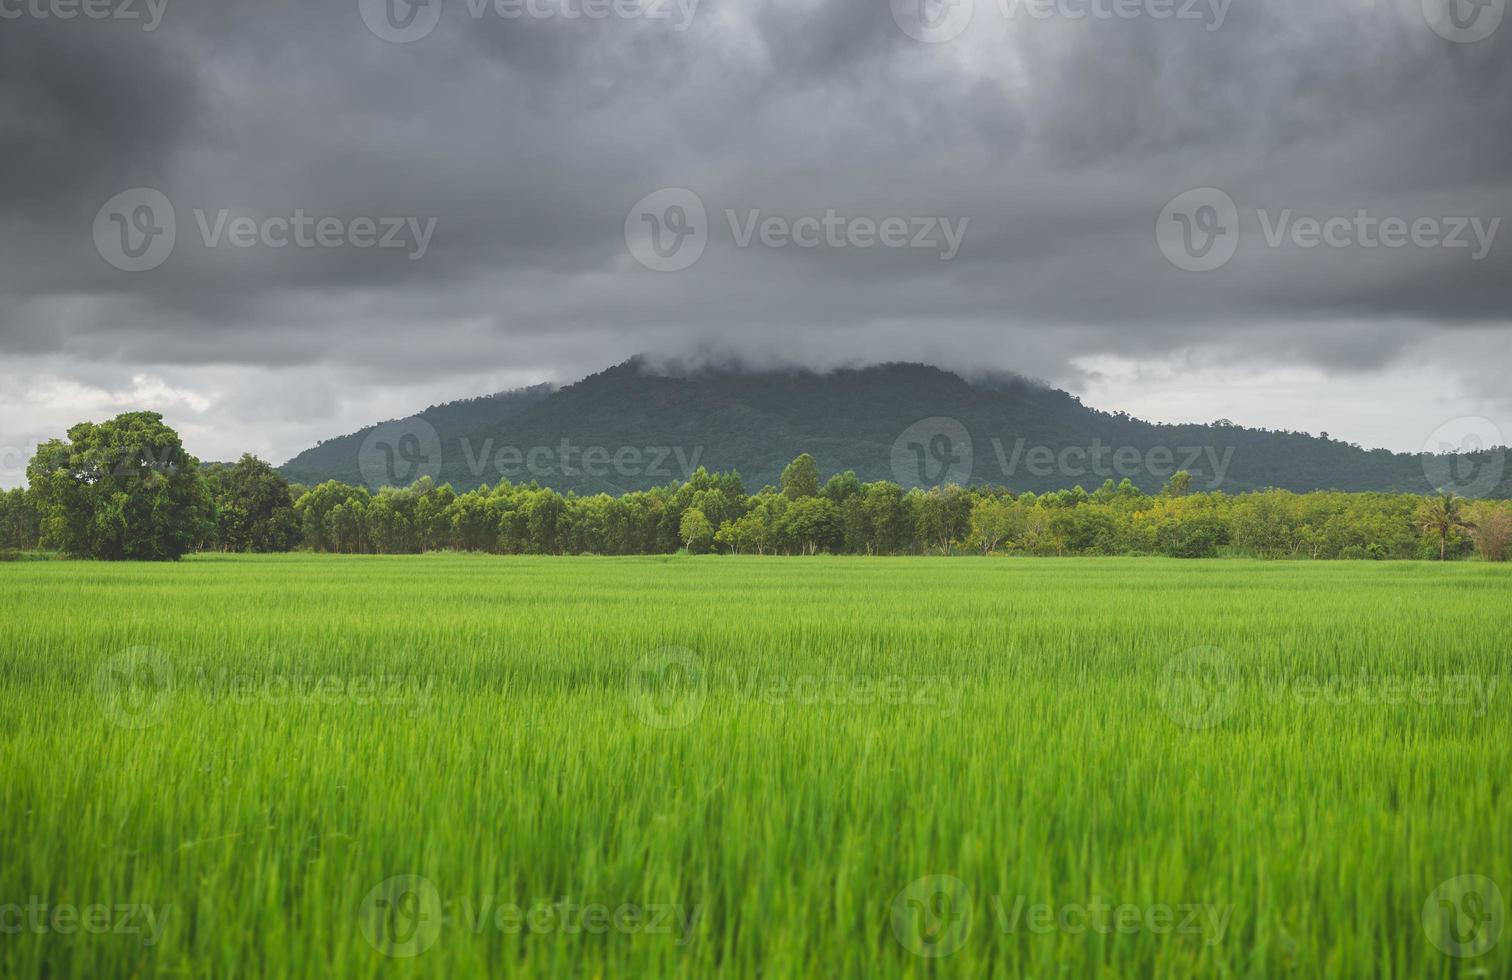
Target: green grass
851, 726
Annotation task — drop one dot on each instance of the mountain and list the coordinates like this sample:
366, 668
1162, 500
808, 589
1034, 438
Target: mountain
631, 428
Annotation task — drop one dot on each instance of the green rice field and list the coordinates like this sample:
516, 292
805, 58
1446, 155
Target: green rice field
320, 766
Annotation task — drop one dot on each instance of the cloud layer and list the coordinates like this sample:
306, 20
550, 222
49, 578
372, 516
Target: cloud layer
527, 132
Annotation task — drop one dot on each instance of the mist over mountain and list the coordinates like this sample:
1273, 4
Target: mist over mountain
638, 425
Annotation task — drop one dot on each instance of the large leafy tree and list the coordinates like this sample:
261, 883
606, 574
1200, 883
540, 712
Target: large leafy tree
19, 521
696, 531
800, 478
254, 510
123, 489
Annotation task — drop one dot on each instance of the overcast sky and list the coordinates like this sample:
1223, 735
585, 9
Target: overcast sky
507, 153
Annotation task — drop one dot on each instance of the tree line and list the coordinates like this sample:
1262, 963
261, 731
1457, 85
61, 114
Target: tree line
125, 489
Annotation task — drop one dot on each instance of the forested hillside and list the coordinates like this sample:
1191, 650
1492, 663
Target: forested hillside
630, 428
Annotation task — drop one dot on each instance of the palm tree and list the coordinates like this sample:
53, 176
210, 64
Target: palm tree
1444, 515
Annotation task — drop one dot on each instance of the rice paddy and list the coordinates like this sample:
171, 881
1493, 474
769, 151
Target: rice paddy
321, 766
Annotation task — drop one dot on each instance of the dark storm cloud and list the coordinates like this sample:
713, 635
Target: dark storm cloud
528, 140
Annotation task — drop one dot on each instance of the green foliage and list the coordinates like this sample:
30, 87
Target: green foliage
810, 525
254, 509
1442, 516
123, 489
696, 531
800, 478
20, 522
711, 511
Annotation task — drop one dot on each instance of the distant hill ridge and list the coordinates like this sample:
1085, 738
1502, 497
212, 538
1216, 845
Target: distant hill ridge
631, 427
